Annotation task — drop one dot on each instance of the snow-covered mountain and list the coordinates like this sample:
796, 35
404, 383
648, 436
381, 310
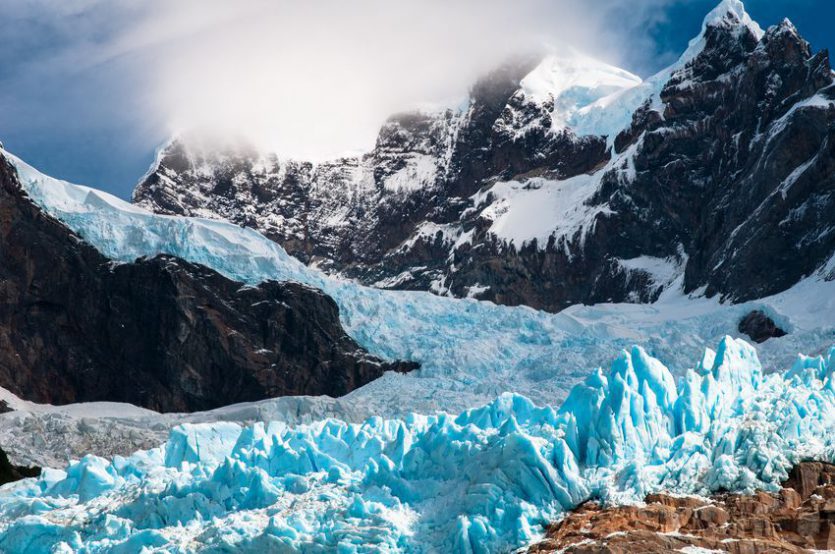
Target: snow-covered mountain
563, 180
488, 479
469, 351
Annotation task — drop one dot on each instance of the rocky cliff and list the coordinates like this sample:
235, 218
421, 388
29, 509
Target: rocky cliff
160, 333
10, 472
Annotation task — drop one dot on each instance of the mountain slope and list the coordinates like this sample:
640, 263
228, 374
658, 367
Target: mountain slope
385, 215
739, 167
565, 181
160, 332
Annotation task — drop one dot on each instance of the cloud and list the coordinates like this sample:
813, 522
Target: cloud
307, 79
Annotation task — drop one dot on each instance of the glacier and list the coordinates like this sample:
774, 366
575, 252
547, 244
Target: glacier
362, 473
470, 351
484, 480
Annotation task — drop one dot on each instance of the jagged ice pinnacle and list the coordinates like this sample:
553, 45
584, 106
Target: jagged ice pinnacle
485, 480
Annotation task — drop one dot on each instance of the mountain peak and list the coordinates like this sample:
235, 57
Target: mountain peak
732, 14
785, 26
729, 15
573, 81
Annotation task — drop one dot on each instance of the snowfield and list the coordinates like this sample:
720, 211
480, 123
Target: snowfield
486, 480
573, 82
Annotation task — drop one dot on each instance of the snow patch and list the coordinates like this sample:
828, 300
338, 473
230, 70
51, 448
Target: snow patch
662, 270
420, 172
539, 208
572, 81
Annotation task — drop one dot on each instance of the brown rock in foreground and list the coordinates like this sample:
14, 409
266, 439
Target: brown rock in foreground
160, 333
798, 519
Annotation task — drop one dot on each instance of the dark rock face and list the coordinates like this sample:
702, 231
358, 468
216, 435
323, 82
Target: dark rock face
798, 519
807, 477
160, 333
741, 169
726, 178
760, 327
388, 218
10, 473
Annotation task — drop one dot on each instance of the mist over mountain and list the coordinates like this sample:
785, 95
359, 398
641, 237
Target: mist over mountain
561, 180
90, 88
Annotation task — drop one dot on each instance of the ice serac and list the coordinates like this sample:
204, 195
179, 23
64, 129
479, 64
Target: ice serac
157, 331
486, 480
563, 180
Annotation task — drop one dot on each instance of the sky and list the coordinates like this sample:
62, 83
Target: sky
90, 88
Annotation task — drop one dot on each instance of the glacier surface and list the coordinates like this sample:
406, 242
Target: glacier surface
486, 480
470, 351
285, 475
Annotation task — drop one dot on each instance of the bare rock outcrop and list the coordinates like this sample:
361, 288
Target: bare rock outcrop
800, 518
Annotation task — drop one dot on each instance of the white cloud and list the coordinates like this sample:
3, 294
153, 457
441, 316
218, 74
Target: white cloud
307, 78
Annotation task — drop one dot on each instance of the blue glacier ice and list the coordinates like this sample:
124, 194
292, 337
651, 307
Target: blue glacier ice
486, 480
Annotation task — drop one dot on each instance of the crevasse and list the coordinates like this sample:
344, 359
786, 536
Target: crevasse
486, 480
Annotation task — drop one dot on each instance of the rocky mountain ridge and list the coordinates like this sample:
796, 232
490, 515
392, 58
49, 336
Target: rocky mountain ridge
717, 175
161, 333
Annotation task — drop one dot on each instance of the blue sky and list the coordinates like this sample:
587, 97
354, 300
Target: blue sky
89, 89
815, 19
